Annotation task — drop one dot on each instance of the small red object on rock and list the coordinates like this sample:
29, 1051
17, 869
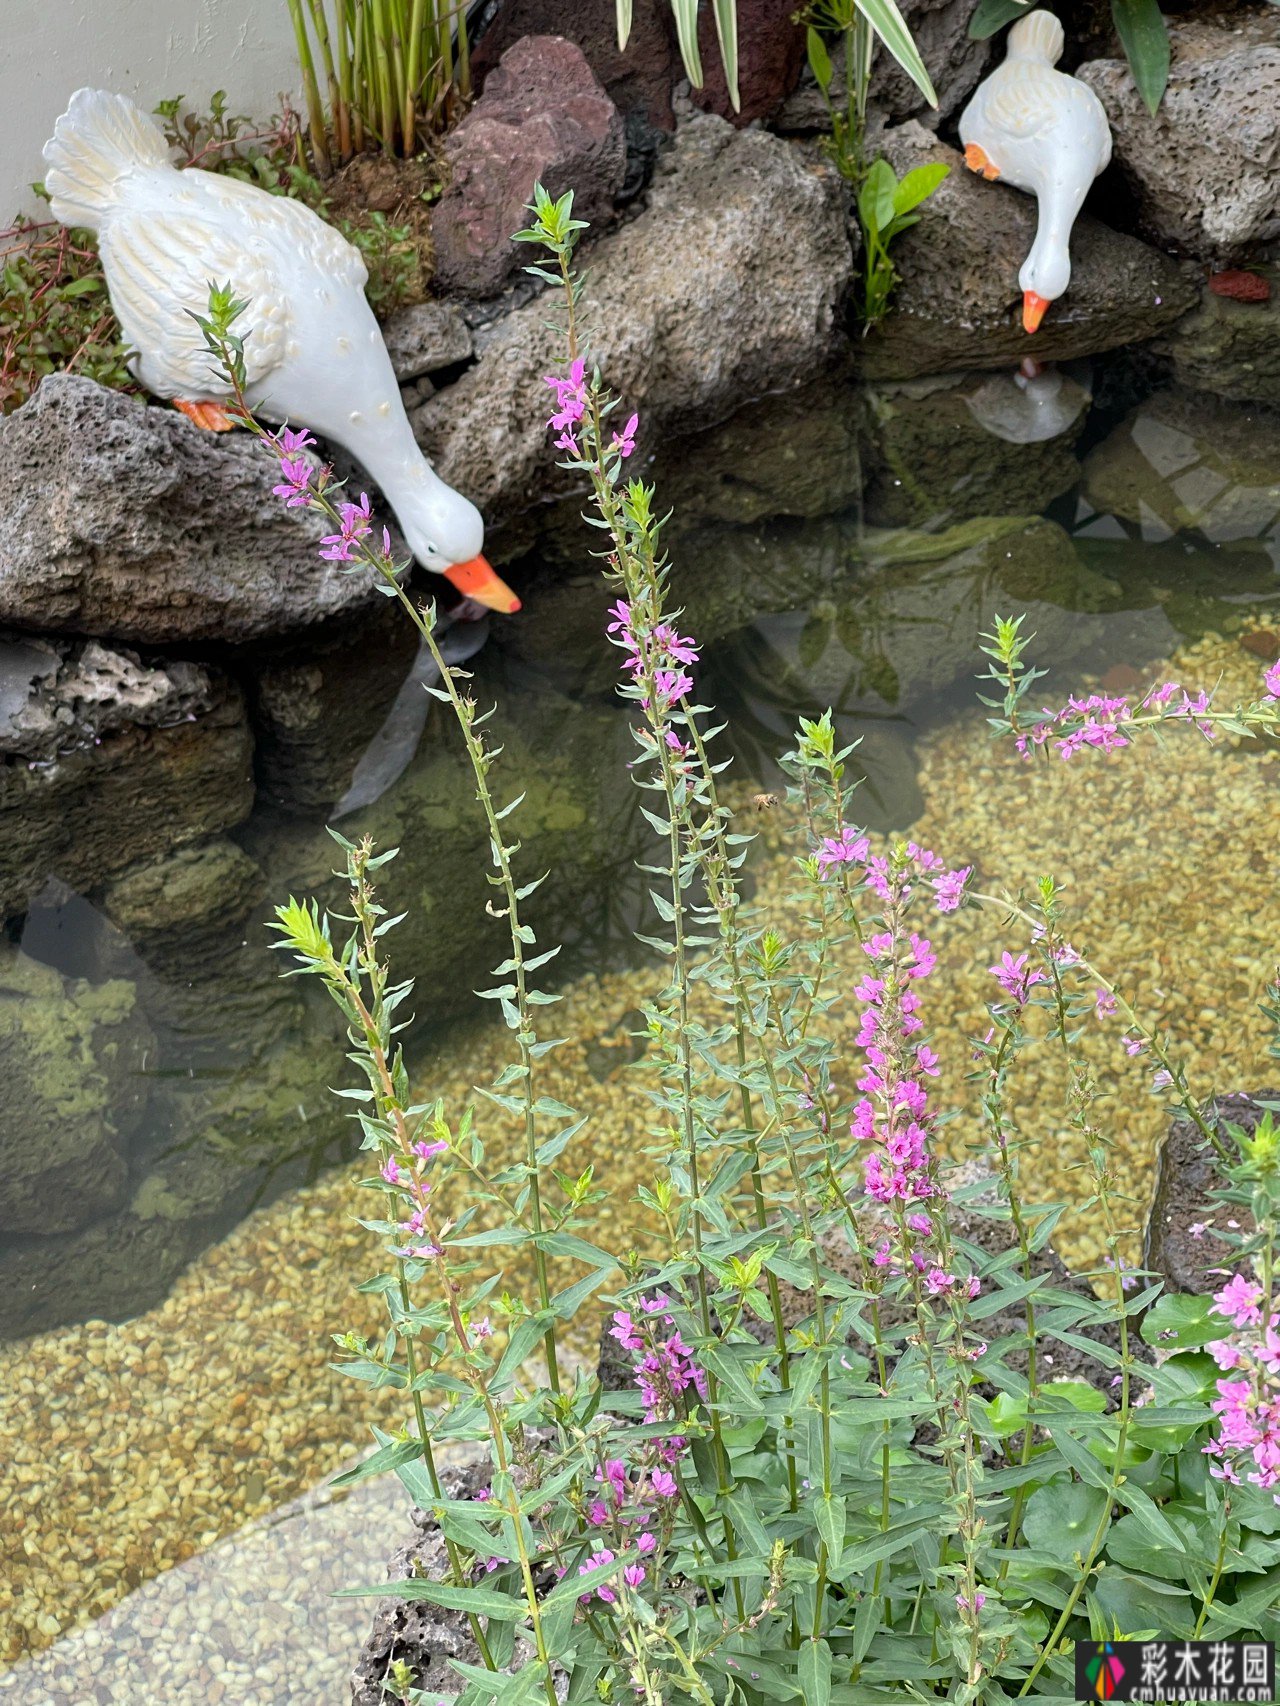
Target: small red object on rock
1240, 286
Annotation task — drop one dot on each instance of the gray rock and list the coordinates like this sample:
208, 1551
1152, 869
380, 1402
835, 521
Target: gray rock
1185, 461
542, 117
116, 763
75, 693
425, 338
1205, 170
127, 522
71, 1095
422, 1635
178, 911
108, 1272
1186, 1172
954, 61
1229, 348
941, 450
958, 305
725, 287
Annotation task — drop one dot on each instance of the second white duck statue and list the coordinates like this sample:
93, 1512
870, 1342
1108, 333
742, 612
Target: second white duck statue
1045, 133
314, 352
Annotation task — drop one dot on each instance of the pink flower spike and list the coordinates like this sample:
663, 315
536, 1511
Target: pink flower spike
624, 442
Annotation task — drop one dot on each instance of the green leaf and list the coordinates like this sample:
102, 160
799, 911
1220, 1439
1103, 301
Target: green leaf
1183, 1322
888, 23
726, 16
624, 23
829, 1514
819, 60
813, 1672
1062, 1518
480, 1602
992, 15
686, 16
1141, 27
876, 197
918, 185
379, 1462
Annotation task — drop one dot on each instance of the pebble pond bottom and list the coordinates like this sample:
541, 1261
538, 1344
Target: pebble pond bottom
166, 1477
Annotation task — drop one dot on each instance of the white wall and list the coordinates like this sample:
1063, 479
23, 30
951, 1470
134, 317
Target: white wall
149, 49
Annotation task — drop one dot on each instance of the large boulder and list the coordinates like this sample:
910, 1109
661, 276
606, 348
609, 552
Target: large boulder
1184, 461
106, 760
126, 522
1230, 348
1205, 169
541, 118
958, 305
725, 287
71, 1095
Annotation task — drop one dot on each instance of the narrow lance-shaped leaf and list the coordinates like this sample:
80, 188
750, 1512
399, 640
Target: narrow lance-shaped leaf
888, 23
1141, 28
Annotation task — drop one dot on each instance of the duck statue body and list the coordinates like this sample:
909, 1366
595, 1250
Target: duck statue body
1045, 133
314, 352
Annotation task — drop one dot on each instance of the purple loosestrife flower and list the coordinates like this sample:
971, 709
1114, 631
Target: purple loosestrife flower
850, 849
1105, 1003
294, 490
1017, 977
1271, 678
356, 523
949, 887
288, 442
571, 403
624, 442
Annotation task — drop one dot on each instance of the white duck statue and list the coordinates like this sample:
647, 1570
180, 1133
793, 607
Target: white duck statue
314, 352
1045, 133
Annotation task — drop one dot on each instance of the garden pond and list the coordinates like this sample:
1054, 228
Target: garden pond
169, 1412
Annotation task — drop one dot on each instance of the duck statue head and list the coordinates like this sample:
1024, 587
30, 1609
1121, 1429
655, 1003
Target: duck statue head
1046, 134
314, 353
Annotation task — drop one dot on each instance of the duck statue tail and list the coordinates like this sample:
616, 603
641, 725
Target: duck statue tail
1037, 36
100, 141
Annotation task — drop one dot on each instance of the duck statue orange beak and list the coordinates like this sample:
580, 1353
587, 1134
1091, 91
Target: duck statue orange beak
476, 579
1033, 308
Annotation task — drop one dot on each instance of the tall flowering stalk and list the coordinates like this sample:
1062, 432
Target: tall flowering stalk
823, 1478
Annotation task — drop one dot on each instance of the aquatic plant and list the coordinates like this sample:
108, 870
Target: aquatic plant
839, 1467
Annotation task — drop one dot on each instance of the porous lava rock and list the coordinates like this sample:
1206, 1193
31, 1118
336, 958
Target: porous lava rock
958, 304
542, 118
126, 522
1228, 347
638, 78
1205, 167
954, 61
1178, 1243
106, 760
726, 287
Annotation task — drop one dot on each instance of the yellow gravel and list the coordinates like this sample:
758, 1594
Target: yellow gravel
130, 1448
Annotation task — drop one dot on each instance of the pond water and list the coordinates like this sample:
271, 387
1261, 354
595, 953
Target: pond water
168, 1413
